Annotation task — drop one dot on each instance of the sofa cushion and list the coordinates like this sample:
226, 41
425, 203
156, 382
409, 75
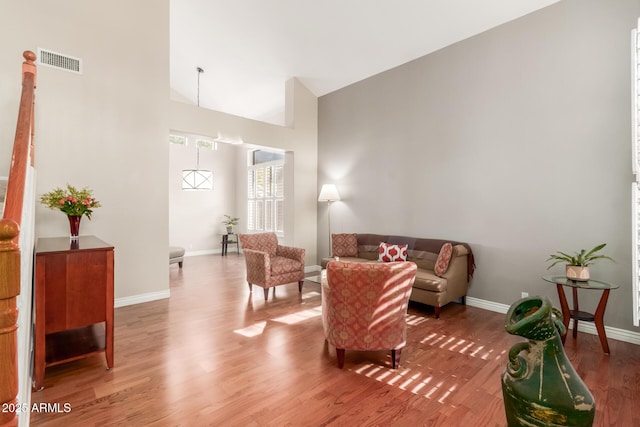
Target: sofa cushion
425, 260
444, 257
344, 245
368, 245
390, 253
371, 256
281, 265
428, 281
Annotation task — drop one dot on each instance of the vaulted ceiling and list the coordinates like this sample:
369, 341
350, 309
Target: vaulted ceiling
248, 49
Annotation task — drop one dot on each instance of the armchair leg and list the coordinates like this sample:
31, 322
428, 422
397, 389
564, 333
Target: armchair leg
395, 357
437, 312
266, 293
300, 286
340, 354
250, 287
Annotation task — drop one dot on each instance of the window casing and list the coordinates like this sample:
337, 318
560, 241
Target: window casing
265, 193
635, 192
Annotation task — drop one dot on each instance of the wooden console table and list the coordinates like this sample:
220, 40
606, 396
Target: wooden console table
73, 307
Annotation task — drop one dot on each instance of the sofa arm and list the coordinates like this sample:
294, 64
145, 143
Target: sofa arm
258, 266
291, 252
456, 274
460, 250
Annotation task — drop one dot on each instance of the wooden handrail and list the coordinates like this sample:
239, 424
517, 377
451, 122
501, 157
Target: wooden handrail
10, 266
22, 142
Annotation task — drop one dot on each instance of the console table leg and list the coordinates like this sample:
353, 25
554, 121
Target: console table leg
598, 319
108, 324
39, 348
576, 310
564, 306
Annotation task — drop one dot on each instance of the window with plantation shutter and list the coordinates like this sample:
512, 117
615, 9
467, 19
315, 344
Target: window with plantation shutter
265, 192
635, 192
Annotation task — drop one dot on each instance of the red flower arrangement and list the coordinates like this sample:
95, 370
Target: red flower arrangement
71, 201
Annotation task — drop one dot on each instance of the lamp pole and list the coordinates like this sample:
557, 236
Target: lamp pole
329, 223
329, 193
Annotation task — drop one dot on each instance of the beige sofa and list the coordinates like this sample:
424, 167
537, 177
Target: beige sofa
429, 288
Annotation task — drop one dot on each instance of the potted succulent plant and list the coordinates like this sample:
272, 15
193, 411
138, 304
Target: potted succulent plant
230, 222
577, 267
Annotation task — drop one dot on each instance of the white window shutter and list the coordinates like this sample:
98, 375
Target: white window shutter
635, 122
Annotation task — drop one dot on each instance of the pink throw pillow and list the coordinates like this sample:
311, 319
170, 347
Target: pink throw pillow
444, 257
345, 245
391, 253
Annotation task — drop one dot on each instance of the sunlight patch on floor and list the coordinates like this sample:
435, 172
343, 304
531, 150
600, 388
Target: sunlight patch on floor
475, 352
252, 330
447, 342
300, 316
447, 393
414, 320
310, 294
412, 381
461, 346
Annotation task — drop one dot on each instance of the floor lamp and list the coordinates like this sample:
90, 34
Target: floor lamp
329, 193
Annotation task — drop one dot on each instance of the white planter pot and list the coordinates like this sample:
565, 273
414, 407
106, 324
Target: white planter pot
577, 273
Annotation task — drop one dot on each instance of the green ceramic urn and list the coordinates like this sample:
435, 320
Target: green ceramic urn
540, 387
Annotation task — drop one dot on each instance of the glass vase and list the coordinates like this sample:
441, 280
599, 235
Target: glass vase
74, 225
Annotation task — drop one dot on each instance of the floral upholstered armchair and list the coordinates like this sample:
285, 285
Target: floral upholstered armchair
364, 306
270, 264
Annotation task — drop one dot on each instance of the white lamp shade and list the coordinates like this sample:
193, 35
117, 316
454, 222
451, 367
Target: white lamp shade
328, 193
197, 179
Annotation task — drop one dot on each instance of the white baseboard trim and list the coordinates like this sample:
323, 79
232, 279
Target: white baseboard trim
586, 327
312, 268
139, 299
205, 252
487, 305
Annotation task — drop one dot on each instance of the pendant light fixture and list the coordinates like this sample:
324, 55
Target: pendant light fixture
197, 179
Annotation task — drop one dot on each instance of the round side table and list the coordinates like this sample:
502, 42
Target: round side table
575, 313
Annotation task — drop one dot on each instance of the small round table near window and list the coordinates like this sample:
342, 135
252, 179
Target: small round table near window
575, 313
229, 239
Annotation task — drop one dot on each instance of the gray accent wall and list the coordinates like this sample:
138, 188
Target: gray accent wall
516, 141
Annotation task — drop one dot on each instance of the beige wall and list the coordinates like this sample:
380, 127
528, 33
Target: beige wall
195, 217
106, 128
299, 138
516, 141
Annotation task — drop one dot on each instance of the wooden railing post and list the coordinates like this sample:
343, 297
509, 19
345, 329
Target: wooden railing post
9, 290
22, 143
10, 269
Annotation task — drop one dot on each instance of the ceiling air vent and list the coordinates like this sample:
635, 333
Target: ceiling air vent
59, 60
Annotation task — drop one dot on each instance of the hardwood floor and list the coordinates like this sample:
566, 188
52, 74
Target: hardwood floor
213, 354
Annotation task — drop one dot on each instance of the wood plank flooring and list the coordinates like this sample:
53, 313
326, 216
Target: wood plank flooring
214, 354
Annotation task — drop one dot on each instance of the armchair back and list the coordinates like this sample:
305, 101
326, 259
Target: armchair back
263, 242
364, 305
